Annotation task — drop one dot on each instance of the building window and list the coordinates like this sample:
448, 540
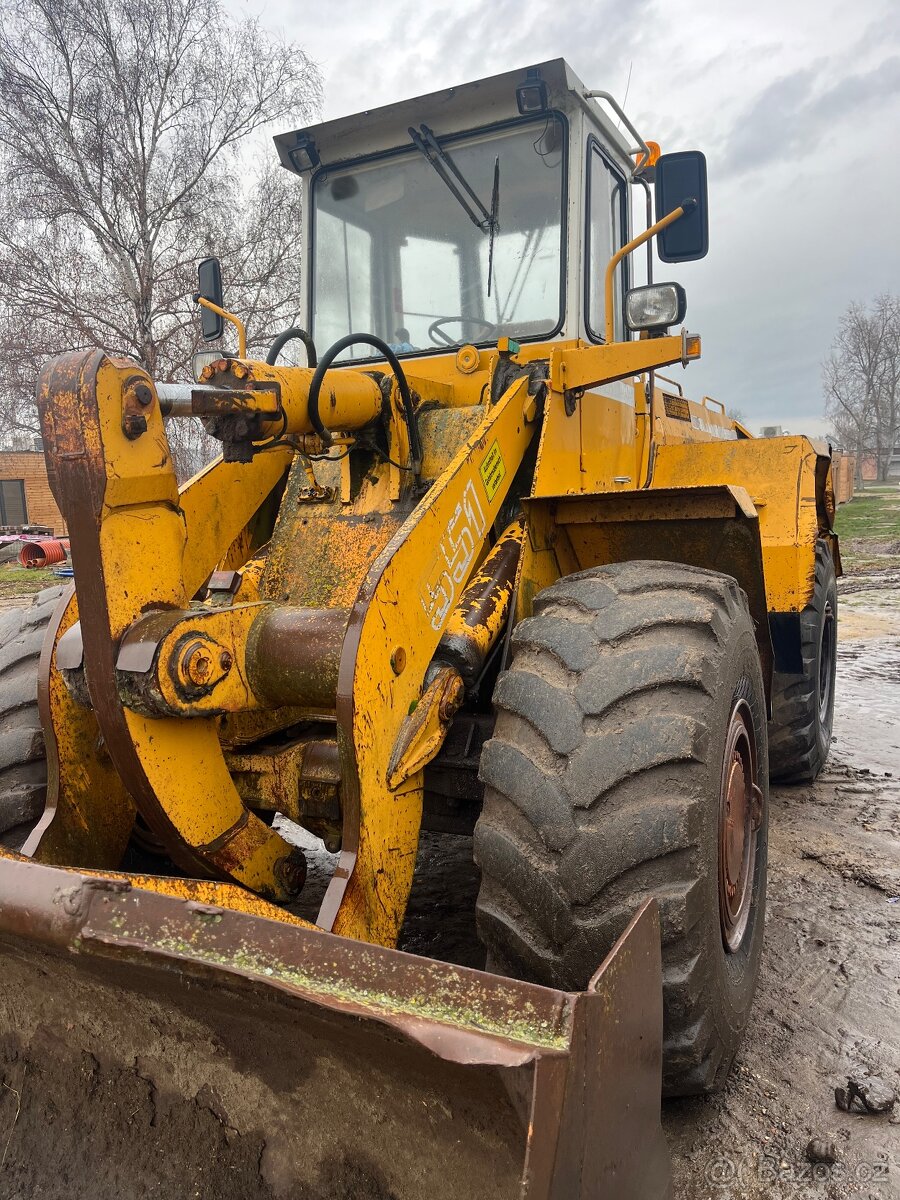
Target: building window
13, 510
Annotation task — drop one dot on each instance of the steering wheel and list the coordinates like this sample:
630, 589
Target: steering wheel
437, 335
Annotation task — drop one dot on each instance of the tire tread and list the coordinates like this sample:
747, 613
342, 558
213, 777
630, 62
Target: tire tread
23, 767
592, 788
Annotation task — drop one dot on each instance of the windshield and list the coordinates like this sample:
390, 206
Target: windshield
396, 252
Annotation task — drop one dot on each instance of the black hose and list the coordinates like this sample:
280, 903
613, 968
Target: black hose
365, 339
282, 340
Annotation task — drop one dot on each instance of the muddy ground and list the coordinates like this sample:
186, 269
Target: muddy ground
828, 1004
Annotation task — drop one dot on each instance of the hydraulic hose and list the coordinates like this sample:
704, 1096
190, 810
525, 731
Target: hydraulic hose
282, 340
365, 339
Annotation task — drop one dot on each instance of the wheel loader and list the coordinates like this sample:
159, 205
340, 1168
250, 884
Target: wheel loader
478, 568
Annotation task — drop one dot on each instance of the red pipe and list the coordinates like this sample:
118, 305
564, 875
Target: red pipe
42, 554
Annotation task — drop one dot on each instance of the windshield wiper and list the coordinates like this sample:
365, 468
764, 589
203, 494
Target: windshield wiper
459, 187
451, 176
494, 220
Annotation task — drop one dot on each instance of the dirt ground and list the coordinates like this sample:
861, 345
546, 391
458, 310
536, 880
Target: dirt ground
828, 1005
18, 584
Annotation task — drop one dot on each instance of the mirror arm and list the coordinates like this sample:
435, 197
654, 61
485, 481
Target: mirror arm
236, 322
668, 219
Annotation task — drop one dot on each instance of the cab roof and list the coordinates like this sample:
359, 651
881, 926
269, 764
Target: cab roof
466, 106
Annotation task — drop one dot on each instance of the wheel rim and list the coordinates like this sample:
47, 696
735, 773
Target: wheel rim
740, 815
826, 663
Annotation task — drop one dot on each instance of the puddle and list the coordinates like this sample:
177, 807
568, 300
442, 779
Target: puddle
869, 612
867, 695
869, 606
867, 702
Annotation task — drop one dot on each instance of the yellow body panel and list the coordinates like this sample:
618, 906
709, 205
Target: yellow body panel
780, 477
590, 440
608, 440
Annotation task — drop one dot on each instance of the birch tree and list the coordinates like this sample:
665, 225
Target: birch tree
130, 136
861, 378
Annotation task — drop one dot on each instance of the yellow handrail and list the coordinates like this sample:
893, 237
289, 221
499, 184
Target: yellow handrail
708, 400
620, 254
236, 322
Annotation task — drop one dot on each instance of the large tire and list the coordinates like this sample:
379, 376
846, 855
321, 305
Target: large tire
604, 779
23, 764
803, 705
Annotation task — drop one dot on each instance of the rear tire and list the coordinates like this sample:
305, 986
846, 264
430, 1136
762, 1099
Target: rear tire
23, 763
604, 780
803, 705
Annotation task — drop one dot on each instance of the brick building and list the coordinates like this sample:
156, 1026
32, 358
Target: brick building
870, 467
25, 496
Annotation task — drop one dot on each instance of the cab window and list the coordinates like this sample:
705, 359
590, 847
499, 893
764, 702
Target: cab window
396, 253
606, 233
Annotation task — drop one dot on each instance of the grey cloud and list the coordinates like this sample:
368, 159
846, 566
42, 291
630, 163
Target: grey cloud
792, 115
477, 39
854, 92
883, 32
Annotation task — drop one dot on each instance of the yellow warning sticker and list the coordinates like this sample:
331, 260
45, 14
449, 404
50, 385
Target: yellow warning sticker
492, 470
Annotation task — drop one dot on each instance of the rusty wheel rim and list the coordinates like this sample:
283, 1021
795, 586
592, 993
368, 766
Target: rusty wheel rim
740, 815
826, 662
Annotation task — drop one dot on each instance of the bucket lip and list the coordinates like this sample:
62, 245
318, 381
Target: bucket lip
461, 1014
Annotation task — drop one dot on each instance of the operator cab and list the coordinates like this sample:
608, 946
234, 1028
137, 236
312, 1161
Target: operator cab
450, 219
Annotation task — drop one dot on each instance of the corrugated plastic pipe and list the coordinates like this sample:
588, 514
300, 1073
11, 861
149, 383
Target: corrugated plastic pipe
42, 554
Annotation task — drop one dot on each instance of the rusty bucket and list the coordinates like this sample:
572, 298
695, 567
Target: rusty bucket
157, 1045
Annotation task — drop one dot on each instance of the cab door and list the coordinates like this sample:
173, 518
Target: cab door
608, 454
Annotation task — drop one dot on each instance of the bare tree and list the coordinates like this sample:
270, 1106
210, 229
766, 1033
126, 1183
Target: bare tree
127, 130
861, 378
846, 408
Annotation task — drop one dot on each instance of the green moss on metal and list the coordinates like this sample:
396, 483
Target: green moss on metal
465, 1010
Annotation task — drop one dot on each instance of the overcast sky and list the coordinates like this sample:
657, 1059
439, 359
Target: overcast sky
796, 104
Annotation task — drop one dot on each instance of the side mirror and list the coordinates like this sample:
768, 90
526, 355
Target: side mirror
681, 177
209, 286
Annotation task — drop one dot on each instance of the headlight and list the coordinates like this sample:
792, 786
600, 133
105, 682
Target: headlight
656, 306
202, 359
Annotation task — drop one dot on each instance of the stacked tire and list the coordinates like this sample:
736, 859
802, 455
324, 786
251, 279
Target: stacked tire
23, 766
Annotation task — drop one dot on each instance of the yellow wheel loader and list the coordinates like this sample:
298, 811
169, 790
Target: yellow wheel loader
480, 568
